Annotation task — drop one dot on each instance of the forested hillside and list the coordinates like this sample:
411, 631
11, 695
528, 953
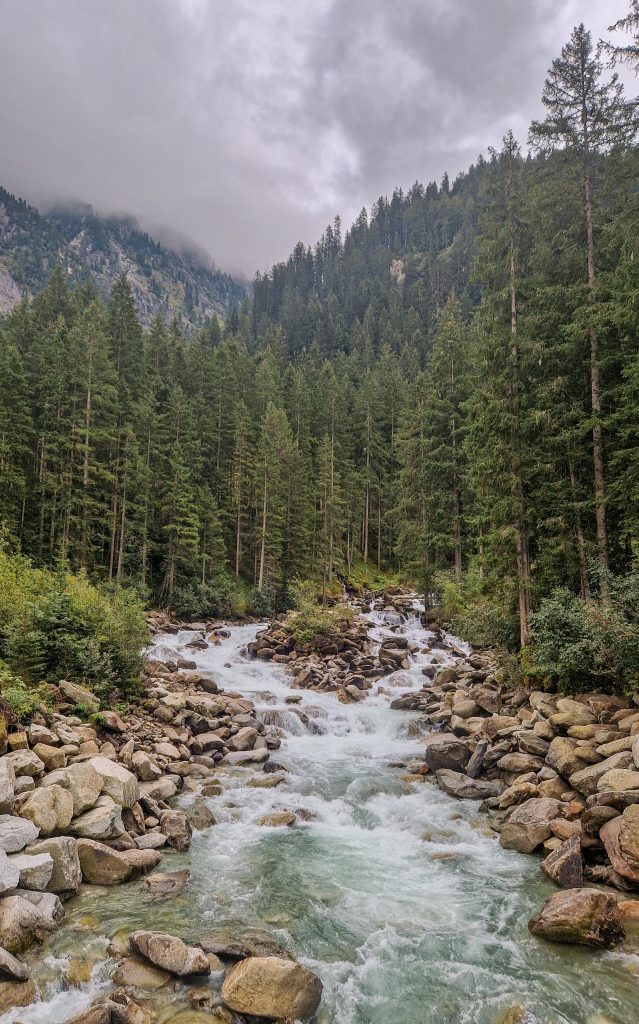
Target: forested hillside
449, 390
97, 249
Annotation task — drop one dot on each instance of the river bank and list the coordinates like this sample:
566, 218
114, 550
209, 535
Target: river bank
397, 896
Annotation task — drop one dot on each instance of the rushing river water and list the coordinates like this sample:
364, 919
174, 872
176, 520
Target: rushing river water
398, 896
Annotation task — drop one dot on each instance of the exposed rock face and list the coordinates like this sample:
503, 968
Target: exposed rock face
272, 987
15, 833
78, 695
584, 916
35, 870
49, 808
9, 873
169, 953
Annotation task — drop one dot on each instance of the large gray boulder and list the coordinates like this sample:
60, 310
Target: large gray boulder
7, 785
464, 788
104, 821
66, 875
529, 824
169, 953
79, 695
35, 870
564, 866
12, 968
16, 833
25, 762
9, 874
117, 781
81, 780
444, 750
584, 916
50, 809
28, 918
272, 987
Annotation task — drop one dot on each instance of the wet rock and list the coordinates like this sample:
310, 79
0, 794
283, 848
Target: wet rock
50, 809
277, 820
251, 943
169, 953
460, 785
175, 826
529, 824
271, 987
446, 751
117, 781
584, 916
124, 1009
35, 870
103, 866
150, 841
11, 969
16, 833
66, 875
28, 918
241, 757
82, 781
564, 866
244, 739
517, 794
134, 974
266, 781
168, 883
15, 994
199, 816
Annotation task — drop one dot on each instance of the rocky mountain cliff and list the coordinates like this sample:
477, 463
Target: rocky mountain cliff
181, 284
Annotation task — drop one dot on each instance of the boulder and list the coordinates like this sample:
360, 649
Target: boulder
446, 751
244, 739
618, 781
25, 762
199, 816
584, 916
168, 883
24, 921
35, 870
51, 757
620, 837
241, 757
518, 763
11, 968
16, 833
103, 866
117, 781
175, 826
78, 695
135, 974
272, 987
66, 875
586, 780
460, 785
169, 953
15, 994
528, 825
145, 767
7, 785
564, 866
104, 821
49, 808
82, 781
9, 874
277, 820
563, 756
250, 943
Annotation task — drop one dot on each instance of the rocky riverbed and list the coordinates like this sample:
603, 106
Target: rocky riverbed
303, 844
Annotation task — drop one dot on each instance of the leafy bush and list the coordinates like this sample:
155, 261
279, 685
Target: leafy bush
576, 645
22, 700
313, 620
208, 600
59, 625
481, 611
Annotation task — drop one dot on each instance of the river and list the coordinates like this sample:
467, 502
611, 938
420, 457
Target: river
397, 895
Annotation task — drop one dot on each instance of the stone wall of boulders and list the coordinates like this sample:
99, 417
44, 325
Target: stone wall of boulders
555, 775
92, 803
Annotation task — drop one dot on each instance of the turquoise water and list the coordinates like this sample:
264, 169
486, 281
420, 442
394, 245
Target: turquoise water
398, 896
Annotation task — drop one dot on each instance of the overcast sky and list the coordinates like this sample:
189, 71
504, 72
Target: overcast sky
248, 124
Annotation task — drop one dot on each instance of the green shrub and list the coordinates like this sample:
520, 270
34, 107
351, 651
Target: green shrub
312, 620
577, 645
208, 600
59, 625
22, 700
480, 611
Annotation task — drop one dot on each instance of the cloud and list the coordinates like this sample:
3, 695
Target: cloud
247, 125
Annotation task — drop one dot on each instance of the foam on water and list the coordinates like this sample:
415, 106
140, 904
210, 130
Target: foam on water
398, 897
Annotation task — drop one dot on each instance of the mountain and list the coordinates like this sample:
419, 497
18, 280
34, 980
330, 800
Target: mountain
163, 280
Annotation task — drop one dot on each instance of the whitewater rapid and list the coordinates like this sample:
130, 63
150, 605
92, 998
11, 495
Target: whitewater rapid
398, 896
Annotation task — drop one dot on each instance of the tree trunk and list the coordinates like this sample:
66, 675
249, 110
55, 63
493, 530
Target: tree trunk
581, 545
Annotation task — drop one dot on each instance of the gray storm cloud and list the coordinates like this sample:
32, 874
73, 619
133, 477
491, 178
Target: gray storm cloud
245, 125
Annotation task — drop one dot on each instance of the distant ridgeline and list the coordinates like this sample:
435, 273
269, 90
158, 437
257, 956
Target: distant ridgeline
97, 249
